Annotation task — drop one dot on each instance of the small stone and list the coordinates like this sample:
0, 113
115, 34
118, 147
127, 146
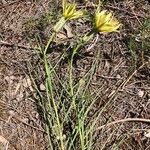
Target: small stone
147, 134
11, 112
140, 93
118, 76
64, 136
25, 120
81, 82
4, 2
3, 140
42, 87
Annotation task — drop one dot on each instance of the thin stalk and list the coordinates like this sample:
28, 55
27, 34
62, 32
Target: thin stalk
53, 102
82, 42
71, 70
42, 105
49, 42
81, 131
57, 28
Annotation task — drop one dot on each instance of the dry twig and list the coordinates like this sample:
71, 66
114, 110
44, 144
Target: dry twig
124, 120
16, 45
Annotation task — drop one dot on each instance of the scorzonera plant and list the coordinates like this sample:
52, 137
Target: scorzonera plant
103, 22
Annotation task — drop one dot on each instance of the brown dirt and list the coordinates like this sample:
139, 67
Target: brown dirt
20, 122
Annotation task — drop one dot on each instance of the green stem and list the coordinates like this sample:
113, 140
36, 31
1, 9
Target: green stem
49, 42
57, 28
71, 69
48, 74
82, 42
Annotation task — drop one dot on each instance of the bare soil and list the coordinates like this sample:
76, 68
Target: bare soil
121, 74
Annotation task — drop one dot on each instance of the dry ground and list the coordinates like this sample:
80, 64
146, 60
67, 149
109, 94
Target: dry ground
122, 73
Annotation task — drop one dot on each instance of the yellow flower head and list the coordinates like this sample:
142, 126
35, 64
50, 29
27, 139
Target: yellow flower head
70, 12
105, 22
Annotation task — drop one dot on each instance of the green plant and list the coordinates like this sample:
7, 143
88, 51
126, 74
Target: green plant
68, 103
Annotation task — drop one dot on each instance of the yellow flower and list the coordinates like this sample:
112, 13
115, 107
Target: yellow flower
70, 12
106, 23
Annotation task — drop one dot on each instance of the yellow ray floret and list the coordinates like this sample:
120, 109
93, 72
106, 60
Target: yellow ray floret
70, 12
106, 22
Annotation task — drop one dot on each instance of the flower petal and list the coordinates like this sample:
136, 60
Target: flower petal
106, 23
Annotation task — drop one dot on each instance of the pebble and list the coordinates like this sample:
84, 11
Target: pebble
140, 93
